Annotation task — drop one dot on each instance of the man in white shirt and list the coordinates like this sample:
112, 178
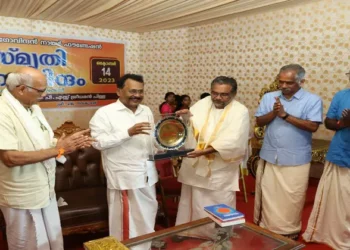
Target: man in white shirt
27, 164
121, 130
210, 174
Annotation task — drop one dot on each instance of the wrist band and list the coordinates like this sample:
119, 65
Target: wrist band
60, 153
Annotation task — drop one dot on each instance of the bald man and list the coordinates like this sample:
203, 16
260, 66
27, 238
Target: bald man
27, 164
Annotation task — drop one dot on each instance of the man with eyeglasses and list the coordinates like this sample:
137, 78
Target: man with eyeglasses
27, 164
219, 134
290, 115
329, 221
121, 130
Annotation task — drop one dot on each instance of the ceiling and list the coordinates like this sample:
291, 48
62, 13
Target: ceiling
135, 15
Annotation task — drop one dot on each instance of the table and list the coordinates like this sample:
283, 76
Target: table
244, 236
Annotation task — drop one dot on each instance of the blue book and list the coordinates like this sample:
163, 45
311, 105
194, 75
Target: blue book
223, 212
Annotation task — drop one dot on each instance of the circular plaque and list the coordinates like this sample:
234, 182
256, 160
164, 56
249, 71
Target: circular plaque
170, 133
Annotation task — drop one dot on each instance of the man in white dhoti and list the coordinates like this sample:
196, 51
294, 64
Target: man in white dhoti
329, 221
27, 164
220, 131
121, 131
290, 115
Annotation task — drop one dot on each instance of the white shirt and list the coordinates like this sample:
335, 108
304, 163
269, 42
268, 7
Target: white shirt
124, 158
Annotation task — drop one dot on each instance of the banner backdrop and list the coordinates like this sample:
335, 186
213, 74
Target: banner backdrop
80, 73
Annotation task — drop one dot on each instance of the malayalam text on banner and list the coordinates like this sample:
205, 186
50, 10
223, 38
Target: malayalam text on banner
80, 73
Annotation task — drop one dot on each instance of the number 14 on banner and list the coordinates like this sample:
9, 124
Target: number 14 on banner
104, 70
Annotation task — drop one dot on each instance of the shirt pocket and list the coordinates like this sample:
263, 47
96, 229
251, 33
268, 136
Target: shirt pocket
297, 112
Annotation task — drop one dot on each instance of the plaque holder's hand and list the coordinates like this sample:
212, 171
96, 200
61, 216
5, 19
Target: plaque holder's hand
185, 114
199, 152
140, 128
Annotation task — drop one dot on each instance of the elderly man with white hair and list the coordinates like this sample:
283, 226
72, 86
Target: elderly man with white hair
290, 115
27, 164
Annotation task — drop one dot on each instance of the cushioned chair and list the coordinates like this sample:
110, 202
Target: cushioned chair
80, 181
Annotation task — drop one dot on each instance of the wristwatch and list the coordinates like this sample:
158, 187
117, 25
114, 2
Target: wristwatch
285, 117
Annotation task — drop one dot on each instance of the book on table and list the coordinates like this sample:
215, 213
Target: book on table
224, 215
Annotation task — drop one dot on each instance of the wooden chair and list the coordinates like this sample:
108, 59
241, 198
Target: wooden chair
67, 128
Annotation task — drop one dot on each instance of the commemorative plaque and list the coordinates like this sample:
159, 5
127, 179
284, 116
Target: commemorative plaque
170, 134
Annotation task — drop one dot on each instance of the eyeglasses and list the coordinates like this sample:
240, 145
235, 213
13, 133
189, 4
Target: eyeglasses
135, 91
40, 91
223, 95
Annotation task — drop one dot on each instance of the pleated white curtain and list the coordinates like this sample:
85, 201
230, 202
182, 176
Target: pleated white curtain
133, 15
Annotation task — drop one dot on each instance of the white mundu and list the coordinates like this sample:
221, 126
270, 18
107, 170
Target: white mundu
290, 188
213, 179
27, 196
130, 176
329, 221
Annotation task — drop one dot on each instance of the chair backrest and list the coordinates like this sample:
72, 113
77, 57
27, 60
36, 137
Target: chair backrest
67, 128
259, 132
83, 167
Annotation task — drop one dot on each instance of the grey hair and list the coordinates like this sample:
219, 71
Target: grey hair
300, 71
225, 80
15, 79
